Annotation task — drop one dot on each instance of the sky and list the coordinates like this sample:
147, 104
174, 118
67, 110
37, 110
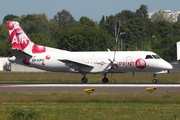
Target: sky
93, 9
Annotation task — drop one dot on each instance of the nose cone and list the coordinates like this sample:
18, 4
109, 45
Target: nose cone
167, 66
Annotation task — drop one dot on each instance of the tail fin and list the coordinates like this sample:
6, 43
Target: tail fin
20, 41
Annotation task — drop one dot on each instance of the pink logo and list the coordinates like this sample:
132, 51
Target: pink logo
18, 39
38, 49
43, 64
140, 63
101, 63
10, 25
26, 61
48, 57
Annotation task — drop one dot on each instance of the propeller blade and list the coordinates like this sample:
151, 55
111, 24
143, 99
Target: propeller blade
114, 55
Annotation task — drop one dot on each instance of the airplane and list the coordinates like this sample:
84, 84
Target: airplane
27, 53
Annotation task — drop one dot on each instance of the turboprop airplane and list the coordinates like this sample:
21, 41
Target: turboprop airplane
27, 53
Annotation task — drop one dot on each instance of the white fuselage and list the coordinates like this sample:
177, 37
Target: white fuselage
126, 61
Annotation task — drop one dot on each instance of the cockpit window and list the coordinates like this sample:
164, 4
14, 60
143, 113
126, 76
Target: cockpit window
156, 57
149, 57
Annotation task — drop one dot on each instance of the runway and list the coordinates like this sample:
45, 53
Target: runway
106, 88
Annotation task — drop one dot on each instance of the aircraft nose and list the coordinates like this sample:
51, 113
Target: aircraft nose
169, 66
165, 65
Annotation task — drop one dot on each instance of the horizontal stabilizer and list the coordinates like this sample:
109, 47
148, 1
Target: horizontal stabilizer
20, 54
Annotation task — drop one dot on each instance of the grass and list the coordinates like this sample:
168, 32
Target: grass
80, 106
52, 77
97, 106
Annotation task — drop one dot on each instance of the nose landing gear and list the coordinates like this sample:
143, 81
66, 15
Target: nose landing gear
154, 78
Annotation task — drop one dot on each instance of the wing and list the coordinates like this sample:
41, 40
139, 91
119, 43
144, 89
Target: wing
20, 54
81, 67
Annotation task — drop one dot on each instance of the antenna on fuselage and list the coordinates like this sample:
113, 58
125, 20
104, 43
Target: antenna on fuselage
108, 50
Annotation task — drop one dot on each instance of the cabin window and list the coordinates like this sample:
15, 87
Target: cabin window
156, 57
149, 57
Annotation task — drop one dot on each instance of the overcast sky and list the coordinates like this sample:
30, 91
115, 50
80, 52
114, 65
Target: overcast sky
93, 9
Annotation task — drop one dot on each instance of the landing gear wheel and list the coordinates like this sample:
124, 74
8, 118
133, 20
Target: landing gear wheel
105, 80
84, 80
154, 80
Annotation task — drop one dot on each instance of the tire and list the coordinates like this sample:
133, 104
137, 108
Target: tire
154, 80
84, 80
105, 80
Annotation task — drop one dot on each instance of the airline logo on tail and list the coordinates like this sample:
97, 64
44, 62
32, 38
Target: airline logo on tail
18, 38
20, 41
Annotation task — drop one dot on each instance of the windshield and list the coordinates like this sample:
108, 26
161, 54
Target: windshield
156, 57
152, 57
149, 57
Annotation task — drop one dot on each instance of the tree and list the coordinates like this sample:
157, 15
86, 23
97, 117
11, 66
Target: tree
125, 15
102, 21
110, 24
64, 19
135, 32
86, 21
37, 24
54, 33
175, 28
164, 29
142, 12
85, 38
9, 17
4, 40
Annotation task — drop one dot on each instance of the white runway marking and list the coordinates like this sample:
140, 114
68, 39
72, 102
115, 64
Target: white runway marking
92, 85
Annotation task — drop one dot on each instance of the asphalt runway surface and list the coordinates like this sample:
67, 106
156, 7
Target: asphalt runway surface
106, 88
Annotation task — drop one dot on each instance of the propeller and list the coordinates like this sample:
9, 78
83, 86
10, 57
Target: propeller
113, 63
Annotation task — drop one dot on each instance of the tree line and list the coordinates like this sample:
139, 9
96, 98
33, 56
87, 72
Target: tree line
125, 31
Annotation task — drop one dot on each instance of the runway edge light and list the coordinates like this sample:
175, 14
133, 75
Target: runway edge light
89, 90
150, 89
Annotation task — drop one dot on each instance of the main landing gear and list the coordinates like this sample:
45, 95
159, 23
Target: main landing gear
154, 78
105, 79
85, 80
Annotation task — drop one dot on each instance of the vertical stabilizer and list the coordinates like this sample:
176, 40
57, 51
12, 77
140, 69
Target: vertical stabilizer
18, 39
